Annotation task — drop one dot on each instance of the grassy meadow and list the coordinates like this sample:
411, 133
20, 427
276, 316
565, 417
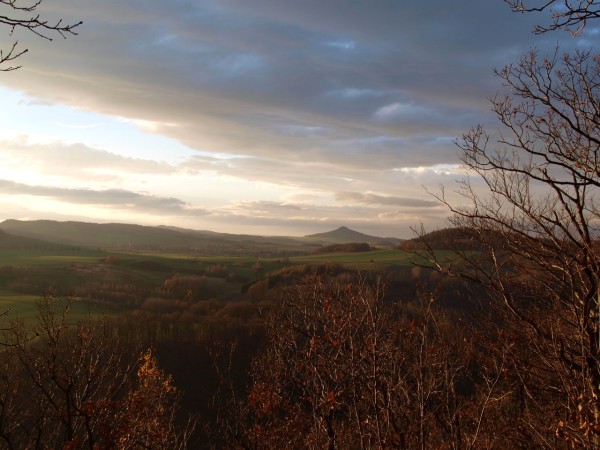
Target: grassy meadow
156, 270
23, 307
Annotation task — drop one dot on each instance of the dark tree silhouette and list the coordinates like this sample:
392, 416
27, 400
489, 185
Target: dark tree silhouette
23, 14
536, 231
568, 15
342, 369
75, 386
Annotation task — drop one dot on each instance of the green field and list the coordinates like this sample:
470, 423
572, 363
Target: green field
126, 279
374, 260
34, 257
20, 307
363, 259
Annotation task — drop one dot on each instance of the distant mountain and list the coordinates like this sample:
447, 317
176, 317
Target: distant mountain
11, 242
289, 240
113, 235
128, 236
344, 235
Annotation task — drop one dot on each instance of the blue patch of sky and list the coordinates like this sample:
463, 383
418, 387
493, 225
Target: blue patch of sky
25, 116
342, 45
238, 65
354, 93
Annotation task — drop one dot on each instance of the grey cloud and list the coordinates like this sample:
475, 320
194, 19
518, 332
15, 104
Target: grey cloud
117, 198
357, 173
79, 161
374, 199
259, 207
325, 95
197, 63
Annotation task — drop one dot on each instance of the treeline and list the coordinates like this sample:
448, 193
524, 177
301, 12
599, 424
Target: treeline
356, 247
343, 366
320, 354
73, 385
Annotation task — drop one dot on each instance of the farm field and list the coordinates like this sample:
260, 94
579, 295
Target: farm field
22, 307
42, 257
163, 272
374, 260
97, 276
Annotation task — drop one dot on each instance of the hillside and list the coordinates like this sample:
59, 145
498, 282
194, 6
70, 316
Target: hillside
282, 240
109, 235
344, 235
128, 236
454, 238
354, 247
12, 242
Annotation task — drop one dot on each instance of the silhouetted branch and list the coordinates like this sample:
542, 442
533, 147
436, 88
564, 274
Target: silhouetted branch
568, 15
25, 16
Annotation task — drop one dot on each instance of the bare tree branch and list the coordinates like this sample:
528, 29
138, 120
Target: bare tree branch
568, 15
22, 14
536, 233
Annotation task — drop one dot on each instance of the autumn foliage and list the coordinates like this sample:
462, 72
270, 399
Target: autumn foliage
344, 369
70, 385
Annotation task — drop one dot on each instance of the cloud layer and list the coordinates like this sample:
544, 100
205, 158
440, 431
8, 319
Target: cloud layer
351, 104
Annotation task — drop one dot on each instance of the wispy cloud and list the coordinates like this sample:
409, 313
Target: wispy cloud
114, 198
355, 103
374, 199
77, 161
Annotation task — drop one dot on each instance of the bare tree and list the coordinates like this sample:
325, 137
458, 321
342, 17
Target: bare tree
74, 386
24, 14
568, 15
343, 369
536, 232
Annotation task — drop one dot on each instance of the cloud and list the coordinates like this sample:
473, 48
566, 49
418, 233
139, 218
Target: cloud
78, 127
262, 207
76, 161
221, 71
342, 45
401, 110
354, 93
113, 198
330, 97
383, 200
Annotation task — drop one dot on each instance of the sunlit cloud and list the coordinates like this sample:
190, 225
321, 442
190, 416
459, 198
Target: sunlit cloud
76, 161
401, 110
438, 169
355, 93
375, 199
287, 114
116, 198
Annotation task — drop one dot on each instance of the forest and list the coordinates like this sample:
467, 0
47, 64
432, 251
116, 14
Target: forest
203, 318
484, 334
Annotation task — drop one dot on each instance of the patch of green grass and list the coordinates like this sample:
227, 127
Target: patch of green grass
243, 265
22, 307
377, 259
28, 258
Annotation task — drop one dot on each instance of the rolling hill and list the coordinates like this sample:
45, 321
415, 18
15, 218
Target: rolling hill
108, 235
12, 242
129, 236
344, 235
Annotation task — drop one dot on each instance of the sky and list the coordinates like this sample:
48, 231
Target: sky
272, 117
